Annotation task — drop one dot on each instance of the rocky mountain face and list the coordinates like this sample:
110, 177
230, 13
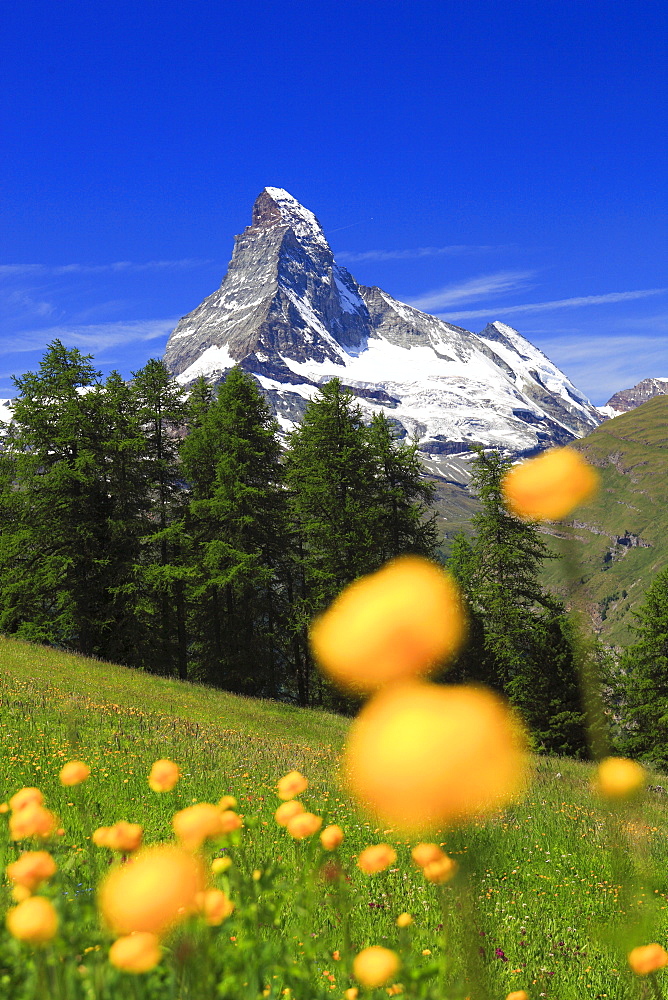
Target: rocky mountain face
294, 318
628, 399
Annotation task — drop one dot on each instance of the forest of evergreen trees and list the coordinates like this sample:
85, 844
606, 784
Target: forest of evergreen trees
174, 532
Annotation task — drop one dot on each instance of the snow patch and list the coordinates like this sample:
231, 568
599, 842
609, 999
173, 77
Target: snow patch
212, 361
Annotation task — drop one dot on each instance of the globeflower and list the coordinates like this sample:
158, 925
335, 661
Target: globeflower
376, 858
74, 772
292, 784
550, 486
230, 821
25, 797
331, 837
152, 893
401, 621
31, 869
441, 870
424, 854
215, 906
420, 756
375, 966
220, 865
647, 958
32, 820
136, 952
164, 775
198, 823
303, 825
34, 921
227, 802
287, 810
404, 920
619, 778
518, 995
122, 836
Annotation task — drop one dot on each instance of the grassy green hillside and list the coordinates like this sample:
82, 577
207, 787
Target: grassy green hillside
621, 539
551, 894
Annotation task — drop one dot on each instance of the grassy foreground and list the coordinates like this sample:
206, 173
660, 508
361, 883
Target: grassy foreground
551, 895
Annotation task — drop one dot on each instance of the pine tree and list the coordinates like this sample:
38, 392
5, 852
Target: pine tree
519, 641
644, 676
237, 523
55, 508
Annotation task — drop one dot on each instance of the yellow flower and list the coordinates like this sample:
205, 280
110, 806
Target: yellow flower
394, 990
227, 802
32, 820
20, 892
215, 907
287, 810
550, 486
164, 775
420, 756
375, 966
122, 836
441, 870
303, 825
25, 797
154, 891
404, 920
352, 993
292, 784
31, 869
74, 772
229, 821
34, 920
137, 952
518, 995
331, 837
220, 865
198, 823
424, 854
401, 621
647, 958
619, 778
376, 858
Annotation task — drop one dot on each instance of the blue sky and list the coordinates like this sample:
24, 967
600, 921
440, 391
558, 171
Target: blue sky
483, 160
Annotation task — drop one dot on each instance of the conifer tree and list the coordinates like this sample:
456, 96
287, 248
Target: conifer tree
519, 640
237, 523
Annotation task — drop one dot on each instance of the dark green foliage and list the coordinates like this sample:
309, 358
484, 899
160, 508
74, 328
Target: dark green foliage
238, 530
519, 640
644, 679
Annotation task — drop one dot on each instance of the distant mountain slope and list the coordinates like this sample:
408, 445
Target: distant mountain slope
628, 399
622, 537
294, 318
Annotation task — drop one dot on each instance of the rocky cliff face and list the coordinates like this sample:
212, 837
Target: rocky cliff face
294, 318
628, 399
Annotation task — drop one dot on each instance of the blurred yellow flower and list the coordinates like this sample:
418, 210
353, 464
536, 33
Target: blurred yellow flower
352, 993
34, 920
32, 820
401, 621
24, 797
292, 784
198, 823
619, 777
441, 870
376, 858
404, 920
164, 775
220, 865
331, 837
550, 486
137, 952
20, 892
74, 772
425, 755
395, 990
122, 836
31, 869
287, 810
647, 958
303, 825
227, 802
230, 820
518, 995
424, 854
156, 890
215, 907
375, 966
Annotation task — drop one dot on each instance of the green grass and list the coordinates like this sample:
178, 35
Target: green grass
554, 891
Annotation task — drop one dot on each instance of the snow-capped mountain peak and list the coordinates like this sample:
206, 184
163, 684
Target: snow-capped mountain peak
294, 318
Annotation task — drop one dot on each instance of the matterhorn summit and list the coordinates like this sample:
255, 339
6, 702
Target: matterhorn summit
294, 318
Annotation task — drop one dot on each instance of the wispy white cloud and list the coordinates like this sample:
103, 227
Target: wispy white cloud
473, 288
457, 249
94, 337
23, 270
534, 307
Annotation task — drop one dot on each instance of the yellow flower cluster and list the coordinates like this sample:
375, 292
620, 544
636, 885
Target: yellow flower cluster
550, 486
